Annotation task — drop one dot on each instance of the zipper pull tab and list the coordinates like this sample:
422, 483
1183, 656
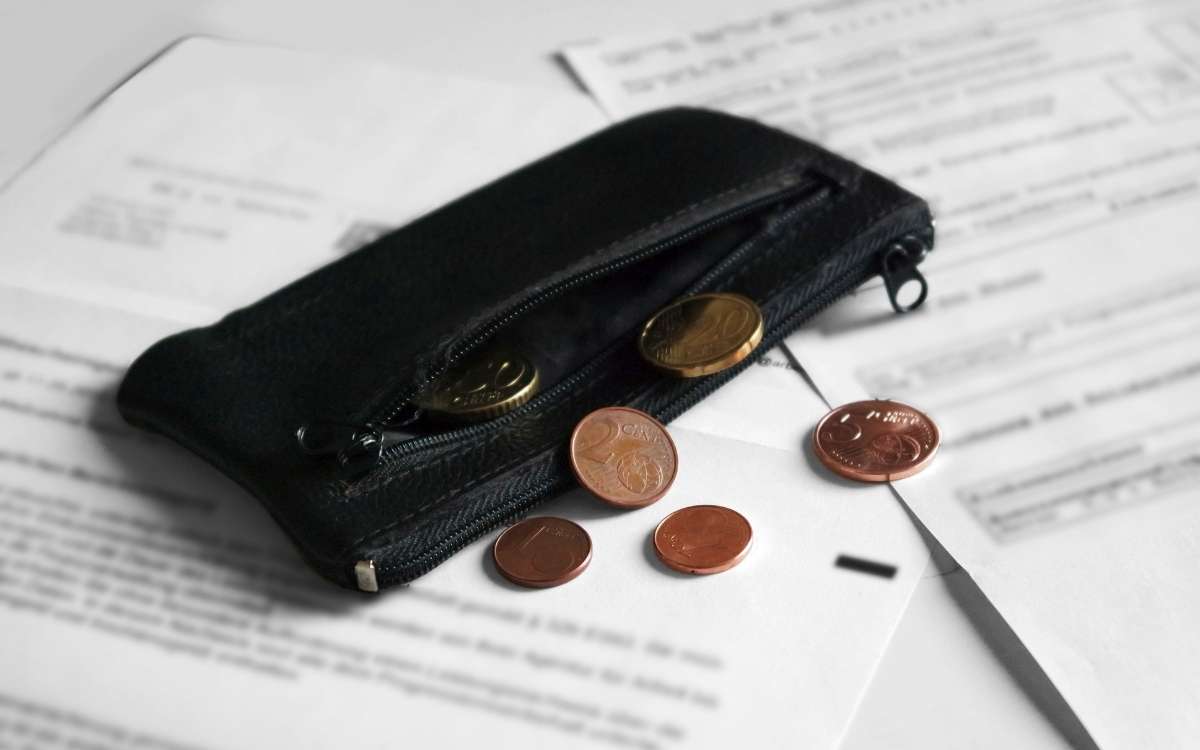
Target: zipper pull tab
356, 448
322, 438
900, 267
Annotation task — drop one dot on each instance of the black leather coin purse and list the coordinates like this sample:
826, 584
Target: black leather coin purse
311, 397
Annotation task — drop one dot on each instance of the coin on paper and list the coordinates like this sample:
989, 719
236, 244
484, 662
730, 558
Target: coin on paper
702, 335
482, 386
702, 539
875, 441
623, 456
542, 552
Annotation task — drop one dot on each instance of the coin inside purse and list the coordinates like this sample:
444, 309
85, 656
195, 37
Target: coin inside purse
562, 334
567, 333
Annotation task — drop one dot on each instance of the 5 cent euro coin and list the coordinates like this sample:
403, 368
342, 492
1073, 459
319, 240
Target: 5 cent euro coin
875, 441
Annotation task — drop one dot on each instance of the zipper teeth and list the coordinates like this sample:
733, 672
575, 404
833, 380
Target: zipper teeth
396, 407
430, 559
856, 270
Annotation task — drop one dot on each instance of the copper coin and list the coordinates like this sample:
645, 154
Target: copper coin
702, 334
542, 552
623, 456
702, 539
875, 441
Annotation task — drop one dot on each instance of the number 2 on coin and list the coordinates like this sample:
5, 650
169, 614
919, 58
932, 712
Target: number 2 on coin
491, 375
601, 451
716, 329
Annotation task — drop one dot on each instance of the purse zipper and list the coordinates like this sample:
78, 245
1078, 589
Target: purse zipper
359, 448
390, 572
896, 262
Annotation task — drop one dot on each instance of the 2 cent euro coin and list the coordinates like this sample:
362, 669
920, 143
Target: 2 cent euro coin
623, 456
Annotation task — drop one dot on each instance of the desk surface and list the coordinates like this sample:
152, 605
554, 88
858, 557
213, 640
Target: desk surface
938, 686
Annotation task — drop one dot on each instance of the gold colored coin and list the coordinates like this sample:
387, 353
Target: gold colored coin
483, 386
701, 335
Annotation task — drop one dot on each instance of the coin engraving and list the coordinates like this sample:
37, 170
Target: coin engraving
639, 473
875, 441
542, 552
483, 386
623, 456
702, 539
702, 334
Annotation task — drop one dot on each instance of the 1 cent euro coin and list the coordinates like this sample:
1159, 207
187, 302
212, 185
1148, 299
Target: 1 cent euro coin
702, 539
542, 552
875, 441
623, 456
483, 386
701, 335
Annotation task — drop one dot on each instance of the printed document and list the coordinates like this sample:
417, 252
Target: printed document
222, 171
1059, 351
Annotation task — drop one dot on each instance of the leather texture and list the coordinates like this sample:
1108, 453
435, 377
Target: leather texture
737, 206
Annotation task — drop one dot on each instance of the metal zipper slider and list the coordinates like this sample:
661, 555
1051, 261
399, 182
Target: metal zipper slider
900, 267
357, 448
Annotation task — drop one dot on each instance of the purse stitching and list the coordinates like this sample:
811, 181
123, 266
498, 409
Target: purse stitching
790, 280
786, 234
743, 187
436, 501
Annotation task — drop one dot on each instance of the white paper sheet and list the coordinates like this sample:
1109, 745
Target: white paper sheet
1058, 143
144, 596
941, 685
747, 409
223, 170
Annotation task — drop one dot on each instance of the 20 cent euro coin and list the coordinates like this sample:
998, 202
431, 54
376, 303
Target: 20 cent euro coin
483, 386
701, 335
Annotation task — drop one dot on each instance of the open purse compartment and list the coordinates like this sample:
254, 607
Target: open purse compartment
564, 260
